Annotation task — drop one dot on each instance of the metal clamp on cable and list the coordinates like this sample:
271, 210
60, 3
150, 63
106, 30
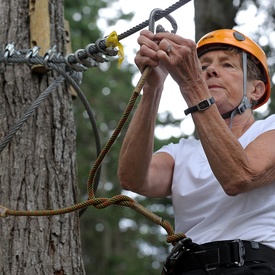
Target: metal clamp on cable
77, 76
76, 66
9, 51
87, 62
48, 57
97, 56
32, 53
106, 51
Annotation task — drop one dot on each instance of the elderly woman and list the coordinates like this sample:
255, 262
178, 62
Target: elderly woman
222, 185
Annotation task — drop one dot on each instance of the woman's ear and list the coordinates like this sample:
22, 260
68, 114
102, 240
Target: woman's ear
258, 90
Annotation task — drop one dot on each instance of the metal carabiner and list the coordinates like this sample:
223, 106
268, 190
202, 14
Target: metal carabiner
152, 20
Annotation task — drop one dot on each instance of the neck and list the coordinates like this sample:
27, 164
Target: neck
241, 122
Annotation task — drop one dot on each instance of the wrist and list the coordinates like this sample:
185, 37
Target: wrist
201, 106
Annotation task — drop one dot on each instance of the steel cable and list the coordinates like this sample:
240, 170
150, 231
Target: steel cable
98, 47
29, 112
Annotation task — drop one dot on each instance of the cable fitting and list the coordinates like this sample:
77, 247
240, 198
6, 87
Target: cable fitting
98, 57
87, 62
32, 53
9, 51
77, 76
76, 66
107, 51
49, 56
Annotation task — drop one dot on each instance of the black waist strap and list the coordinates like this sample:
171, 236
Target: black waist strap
224, 253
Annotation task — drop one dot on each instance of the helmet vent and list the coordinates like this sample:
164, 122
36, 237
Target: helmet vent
238, 36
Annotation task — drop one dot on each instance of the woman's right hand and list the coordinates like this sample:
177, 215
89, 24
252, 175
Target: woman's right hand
147, 56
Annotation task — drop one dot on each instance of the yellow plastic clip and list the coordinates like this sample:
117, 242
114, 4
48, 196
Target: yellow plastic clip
112, 41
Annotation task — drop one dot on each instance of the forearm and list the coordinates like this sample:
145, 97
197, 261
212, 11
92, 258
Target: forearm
137, 148
227, 158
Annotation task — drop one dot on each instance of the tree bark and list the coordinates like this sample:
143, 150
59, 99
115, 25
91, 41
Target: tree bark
38, 166
211, 15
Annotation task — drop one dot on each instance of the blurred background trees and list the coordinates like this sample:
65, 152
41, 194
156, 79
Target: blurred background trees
117, 240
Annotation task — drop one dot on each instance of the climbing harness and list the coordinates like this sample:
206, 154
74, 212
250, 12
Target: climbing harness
176, 253
70, 68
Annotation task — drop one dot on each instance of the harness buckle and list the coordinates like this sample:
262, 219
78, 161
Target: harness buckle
241, 250
175, 254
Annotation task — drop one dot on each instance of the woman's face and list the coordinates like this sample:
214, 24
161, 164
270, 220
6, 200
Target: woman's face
223, 73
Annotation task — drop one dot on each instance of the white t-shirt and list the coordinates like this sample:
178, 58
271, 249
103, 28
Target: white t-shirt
202, 209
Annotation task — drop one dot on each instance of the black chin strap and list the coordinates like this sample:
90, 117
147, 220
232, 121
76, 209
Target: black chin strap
227, 115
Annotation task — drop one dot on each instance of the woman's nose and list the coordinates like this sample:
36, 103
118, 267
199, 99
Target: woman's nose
211, 71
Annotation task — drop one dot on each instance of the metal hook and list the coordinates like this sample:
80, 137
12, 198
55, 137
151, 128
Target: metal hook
152, 20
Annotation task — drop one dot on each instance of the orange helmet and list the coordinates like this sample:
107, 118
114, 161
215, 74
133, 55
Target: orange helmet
215, 41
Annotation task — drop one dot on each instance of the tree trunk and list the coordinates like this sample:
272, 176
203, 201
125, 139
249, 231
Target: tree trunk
38, 167
211, 15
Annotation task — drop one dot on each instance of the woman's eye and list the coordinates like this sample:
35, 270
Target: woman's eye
227, 65
204, 67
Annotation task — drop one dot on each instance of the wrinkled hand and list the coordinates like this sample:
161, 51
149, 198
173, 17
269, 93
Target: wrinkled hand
179, 56
148, 56
169, 53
